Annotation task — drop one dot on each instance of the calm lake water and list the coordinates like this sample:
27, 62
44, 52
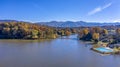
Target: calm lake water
53, 53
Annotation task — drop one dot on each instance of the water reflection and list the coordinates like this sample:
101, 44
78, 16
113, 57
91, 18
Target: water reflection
66, 52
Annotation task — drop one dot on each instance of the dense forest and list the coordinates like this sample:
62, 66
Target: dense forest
97, 34
22, 30
25, 30
93, 33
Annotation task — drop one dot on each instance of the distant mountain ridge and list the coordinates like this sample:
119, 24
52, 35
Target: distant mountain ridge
77, 24
2, 21
69, 23
8, 21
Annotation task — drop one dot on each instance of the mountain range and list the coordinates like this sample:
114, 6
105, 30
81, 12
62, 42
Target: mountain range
78, 24
69, 23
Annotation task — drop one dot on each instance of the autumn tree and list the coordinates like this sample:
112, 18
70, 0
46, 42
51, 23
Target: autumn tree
95, 30
85, 31
118, 31
6, 31
34, 34
104, 32
73, 30
22, 30
95, 37
67, 33
85, 34
62, 32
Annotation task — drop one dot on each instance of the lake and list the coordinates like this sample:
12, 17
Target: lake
60, 52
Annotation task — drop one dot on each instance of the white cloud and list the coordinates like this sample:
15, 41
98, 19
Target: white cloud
118, 20
98, 9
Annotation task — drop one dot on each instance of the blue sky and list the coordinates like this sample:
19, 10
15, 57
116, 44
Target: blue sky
61, 10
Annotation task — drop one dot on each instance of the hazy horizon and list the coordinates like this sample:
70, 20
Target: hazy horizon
57, 21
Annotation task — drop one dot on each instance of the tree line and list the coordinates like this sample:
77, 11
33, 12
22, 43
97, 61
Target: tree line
22, 30
93, 33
